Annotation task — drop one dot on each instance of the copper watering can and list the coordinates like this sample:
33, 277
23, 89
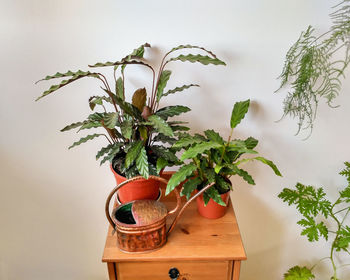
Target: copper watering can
141, 224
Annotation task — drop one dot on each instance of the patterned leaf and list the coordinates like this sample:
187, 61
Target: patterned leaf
161, 163
251, 143
172, 111
214, 136
112, 152
62, 75
191, 47
198, 149
198, 58
160, 125
179, 128
98, 100
164, 153
103, 151
177, 89
164, 139
72, 126
244, 174
238, 112
90, 124
190, 186
126, 129
180, 176
142, 163
110, 120
163, 80
85, 139
108, 63
299, 273
119, 89
133, 152
63, 83
186, 141
214, 195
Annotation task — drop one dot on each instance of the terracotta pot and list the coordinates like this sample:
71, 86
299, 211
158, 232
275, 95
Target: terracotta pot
141, 189
212, 210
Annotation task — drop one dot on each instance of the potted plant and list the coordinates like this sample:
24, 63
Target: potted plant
214, 160
137, 132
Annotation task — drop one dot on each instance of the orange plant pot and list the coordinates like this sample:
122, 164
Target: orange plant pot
212, 210
141, 189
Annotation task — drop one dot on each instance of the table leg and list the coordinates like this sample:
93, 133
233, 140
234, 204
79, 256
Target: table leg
236, 270
111, 271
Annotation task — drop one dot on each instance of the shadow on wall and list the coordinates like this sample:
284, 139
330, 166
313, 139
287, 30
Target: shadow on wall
262, 233
45, 236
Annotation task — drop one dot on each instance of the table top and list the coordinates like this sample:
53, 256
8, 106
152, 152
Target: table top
193, 238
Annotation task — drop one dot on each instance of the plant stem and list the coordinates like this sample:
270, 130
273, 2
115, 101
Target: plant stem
227, 143
347, 208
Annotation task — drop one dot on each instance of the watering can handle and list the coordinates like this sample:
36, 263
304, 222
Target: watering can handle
186, 204
162, 180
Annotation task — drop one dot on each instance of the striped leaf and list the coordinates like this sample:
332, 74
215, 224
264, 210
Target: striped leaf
164, 153
161, 163
186, 141
72, 126
62, 75
108, 63
198, 149
178, 177
171, 111
63, 83
126, 129
133, 152
191, 47
163, 80
142, 163
198, 58
85, 139
160, 125
110, 120
119, 88
214, 195
251, 142
111, 153
90, 124
238, 112
177, 89
103, 151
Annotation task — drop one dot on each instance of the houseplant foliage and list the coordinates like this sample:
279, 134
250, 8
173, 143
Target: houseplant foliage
213, 159
314, 67
321, 219
136, 130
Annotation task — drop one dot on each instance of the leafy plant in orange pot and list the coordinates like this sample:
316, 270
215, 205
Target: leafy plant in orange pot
214, 160
138, 131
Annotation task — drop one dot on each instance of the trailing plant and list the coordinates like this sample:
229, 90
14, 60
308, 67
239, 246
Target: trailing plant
314, 67
212, 159
137, 132
321, 219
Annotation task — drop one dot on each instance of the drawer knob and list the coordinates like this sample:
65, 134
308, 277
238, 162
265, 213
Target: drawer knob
174, 273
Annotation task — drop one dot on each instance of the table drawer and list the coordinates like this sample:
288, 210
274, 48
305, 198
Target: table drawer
189, 270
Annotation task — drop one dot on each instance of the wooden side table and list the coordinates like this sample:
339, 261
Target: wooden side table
199, 249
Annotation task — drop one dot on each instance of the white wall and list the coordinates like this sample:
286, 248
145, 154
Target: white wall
52, 199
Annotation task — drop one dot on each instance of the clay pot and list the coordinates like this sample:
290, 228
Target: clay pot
212, 210
140, 189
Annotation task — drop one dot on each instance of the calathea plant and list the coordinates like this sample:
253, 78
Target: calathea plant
215, 160
321, 218
134, 128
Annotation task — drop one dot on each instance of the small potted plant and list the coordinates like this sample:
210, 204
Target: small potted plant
214, 160
137, 132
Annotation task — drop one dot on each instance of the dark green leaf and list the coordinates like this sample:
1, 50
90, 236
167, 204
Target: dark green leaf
126, 129
160, 125
72, 126
198, 58
85, 139
186, 140
172, 111
214, 195
190, 186
133, 152
214, 136
142, 163
110, 120
63, 83
161, 163
163, 80
251, 143
238, 112
177, 89
119, 89
178, 177
164, 153
103, 151
198, 149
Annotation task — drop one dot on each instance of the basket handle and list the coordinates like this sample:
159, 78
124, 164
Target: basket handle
162, 180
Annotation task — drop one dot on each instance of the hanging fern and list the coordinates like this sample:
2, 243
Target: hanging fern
313, 70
